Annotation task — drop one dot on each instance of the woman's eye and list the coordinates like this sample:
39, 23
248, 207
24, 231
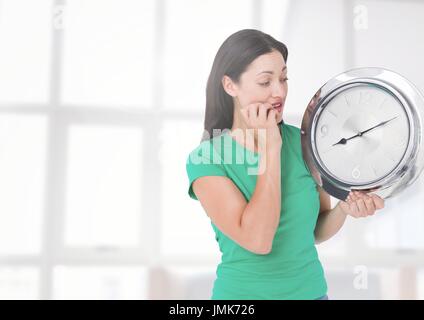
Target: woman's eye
264, 84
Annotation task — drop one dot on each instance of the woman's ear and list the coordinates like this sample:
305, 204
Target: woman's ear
229, 86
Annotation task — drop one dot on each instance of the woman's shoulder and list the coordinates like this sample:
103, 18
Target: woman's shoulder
292, 131
206, 149
197, 150
290, 127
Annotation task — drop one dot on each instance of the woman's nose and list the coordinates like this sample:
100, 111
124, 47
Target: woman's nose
278, 91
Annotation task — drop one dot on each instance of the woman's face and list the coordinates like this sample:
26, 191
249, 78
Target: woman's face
265, 80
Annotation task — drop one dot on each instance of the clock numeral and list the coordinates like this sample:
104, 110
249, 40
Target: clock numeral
335, 115
356, 173
347, 102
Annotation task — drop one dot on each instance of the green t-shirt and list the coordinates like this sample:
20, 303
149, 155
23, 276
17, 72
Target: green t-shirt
292, 269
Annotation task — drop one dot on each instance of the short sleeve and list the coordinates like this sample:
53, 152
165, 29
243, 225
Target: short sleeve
200, 164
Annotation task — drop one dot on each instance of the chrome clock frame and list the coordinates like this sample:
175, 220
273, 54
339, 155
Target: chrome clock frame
407, 170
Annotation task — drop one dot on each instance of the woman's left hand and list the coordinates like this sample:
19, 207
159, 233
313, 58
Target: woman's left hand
360, 204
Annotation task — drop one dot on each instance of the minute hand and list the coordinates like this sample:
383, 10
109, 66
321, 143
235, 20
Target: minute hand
378, 125
343, 141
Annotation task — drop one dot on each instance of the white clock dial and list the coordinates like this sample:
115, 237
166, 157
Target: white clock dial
371, 156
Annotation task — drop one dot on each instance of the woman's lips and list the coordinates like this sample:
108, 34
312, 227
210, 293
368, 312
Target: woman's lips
278, 106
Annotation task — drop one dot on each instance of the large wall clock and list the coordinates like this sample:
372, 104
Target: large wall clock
363, 130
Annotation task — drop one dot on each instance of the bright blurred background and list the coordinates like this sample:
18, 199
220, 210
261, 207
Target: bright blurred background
102, 100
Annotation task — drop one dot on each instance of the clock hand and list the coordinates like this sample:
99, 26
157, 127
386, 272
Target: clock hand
344, 140
378, 125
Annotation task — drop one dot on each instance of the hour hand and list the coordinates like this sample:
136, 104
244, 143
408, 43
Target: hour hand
342, 141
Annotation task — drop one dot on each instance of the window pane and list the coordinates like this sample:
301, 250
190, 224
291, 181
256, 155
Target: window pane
19, 283
22, 172
194, 30
186, 228
108, 52
106, 283
103, 203
25, 29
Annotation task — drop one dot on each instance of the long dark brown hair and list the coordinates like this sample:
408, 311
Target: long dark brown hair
232, 59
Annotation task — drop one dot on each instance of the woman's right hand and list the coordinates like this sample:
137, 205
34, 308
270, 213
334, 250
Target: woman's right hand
263, 116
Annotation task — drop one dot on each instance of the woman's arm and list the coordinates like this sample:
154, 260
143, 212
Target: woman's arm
251, 224
330, 221
262, 214
357, 204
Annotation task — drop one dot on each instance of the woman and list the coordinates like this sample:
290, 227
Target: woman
265, 208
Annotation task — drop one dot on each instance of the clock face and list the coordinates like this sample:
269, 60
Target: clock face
361, 135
